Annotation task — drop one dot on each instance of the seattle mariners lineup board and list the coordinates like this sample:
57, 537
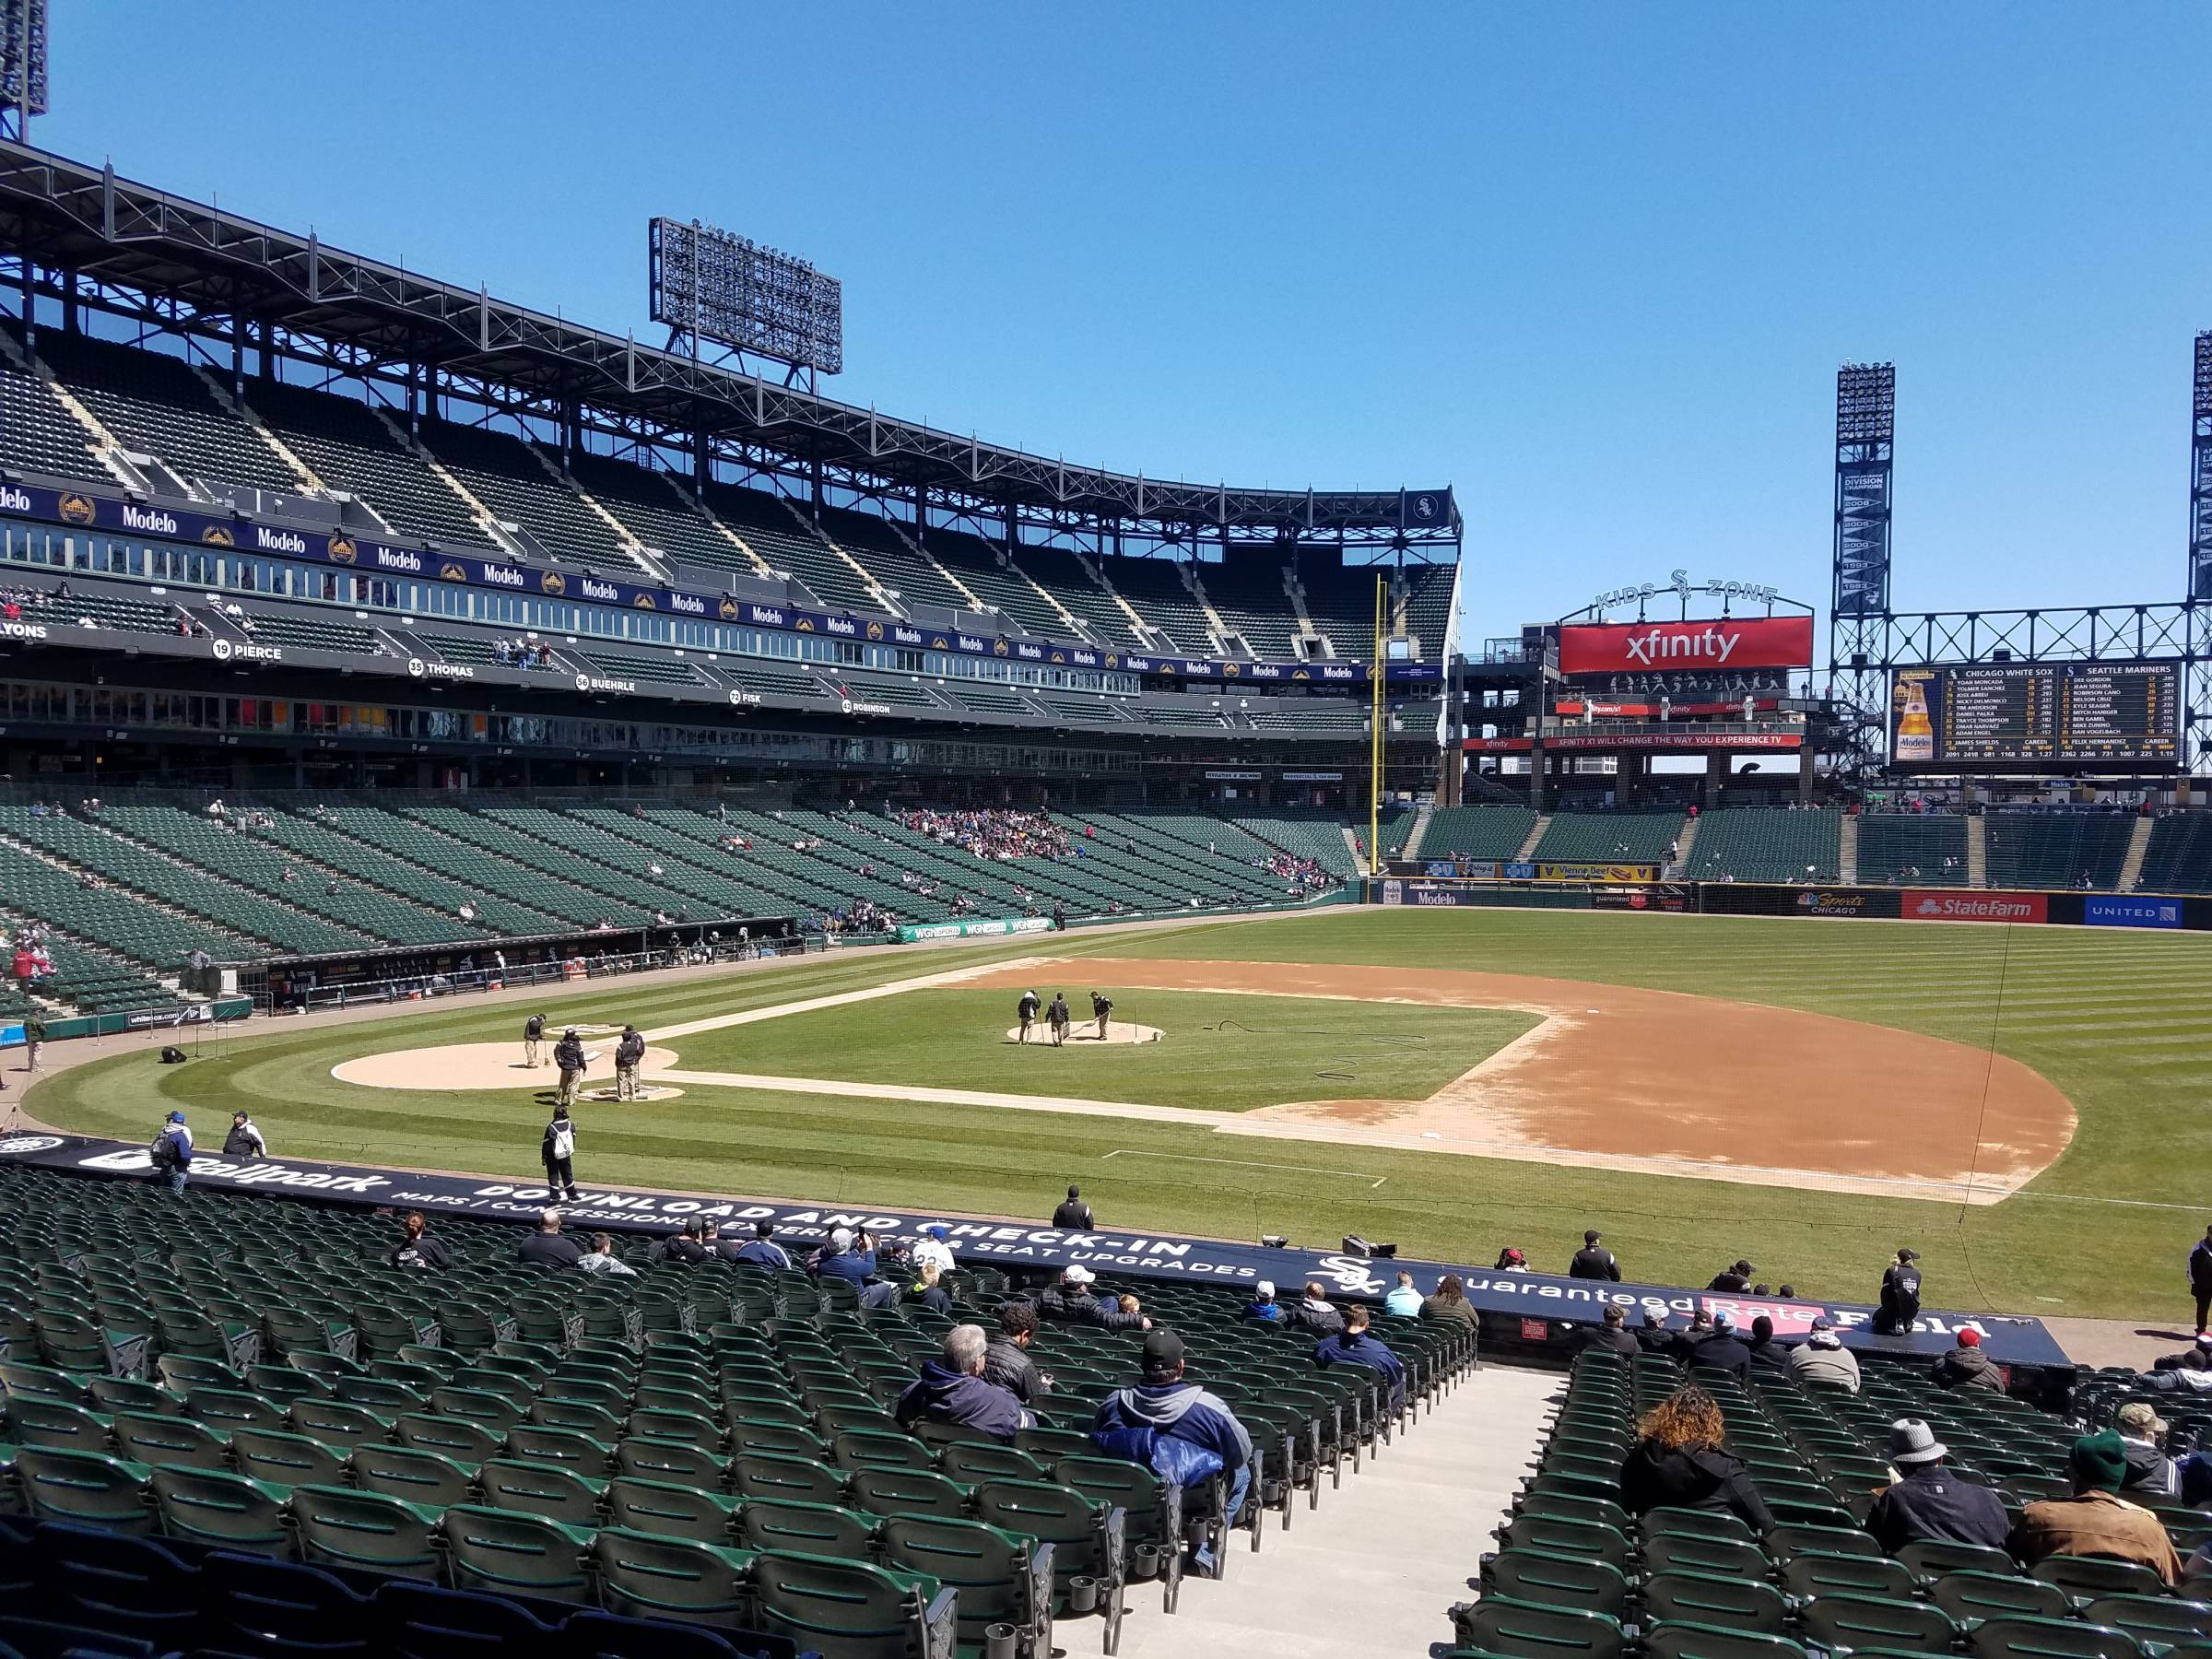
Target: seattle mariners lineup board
2081, 715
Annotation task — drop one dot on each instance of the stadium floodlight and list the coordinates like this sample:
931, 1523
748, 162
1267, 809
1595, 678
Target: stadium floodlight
709, 284
1867, 403
23, 60
2204, 375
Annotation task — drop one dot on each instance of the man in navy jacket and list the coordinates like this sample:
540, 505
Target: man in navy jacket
952, 1390
1354, 1346
1172, 1408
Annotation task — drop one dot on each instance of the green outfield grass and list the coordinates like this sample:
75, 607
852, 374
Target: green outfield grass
2120, 1020
1218, 1053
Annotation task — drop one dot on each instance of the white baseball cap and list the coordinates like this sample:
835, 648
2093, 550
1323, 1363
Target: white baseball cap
1266, 1286
1080, 1274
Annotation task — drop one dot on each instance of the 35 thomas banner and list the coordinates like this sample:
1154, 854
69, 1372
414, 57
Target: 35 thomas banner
1725, 643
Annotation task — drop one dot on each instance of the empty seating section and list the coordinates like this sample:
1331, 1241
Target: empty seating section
651, 508
626, 894
37, 434
771, 530
251, 1391
1249, 597
1926, 849
1092, 706
1156, 589
1342, 603
1163, 714
1576, 1573
157, 404
977, 564
700, 890
104, 610
111, 917
348, 446
689, 843
1312, 714
656, 670
1477, 831
770, 682
870, 688
986, 700
2056, 849
312, 633
1764, 843
1428, 591
893, 564
1063, 574
1640, 837
509, 477
2179, 859
314, 835
88, 847
484, 870
475, 650
1304, 832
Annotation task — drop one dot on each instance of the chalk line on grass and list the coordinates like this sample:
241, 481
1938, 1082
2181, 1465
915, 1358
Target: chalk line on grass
1246, 1163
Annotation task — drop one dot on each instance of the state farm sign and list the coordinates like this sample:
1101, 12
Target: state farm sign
1668, 647
1923, 905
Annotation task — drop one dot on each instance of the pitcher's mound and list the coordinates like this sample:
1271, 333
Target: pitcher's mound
1087, 1033
474, 1065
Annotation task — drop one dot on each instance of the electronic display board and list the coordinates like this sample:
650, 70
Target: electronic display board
2037, 717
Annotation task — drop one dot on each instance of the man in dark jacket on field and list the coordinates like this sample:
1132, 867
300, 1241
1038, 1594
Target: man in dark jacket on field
2200, 1278
568, 1054
953, 1390
1593, 1260
1967, 1366
1007, 1362
1901, 1296
1354, 1346
1930, 1504
1075, 1214
1174, 1409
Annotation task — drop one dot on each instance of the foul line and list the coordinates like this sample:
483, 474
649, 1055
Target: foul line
1242, 1163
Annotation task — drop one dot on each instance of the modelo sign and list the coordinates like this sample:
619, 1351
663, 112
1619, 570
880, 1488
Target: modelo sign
1729, 643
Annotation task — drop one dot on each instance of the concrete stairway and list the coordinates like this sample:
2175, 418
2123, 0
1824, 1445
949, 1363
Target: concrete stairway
1686, 845
1977, 851
2139, 843
1419, 833
1847, 850
1528, 847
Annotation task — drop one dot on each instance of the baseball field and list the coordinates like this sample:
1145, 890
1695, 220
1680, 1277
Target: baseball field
2020, 1104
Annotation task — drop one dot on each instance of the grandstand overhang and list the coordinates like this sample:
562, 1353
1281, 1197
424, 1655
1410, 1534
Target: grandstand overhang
82, 234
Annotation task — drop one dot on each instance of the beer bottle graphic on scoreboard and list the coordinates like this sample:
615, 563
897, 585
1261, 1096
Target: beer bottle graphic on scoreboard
1915, 731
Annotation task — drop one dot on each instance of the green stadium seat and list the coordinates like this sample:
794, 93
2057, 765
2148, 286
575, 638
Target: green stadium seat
846, 1610
2050, 1639
509, 1553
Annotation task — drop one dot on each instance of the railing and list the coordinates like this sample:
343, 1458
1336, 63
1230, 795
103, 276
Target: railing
416, 987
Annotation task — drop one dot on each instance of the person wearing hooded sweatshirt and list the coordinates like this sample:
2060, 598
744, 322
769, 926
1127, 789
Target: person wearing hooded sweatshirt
1263, 1306
1354, 1346
1823, 1360
1173, 1409
952, 1390
2149, 1471
1765, 1350
1026, 1011
1678, 1463
1722, 1350
1967, 1366
1314, 1313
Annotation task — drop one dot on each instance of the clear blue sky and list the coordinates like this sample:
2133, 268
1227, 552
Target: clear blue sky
1594, 266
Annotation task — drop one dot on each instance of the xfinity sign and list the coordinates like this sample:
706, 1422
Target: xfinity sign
1720, 642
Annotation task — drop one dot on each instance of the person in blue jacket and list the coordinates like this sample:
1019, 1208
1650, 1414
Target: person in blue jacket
1263, 1305
1173, 1409
851, 1257
1354, 1346
952, 1390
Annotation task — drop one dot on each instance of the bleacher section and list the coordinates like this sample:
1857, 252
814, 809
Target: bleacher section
651, 509
113, 918
1762, 843
1313, 714
36, 434
2056, 850
768, 528
507, 475
893, 564
1638, 837
1494, 832
312, 633
1154, 589
654, 670
2179, 859
157, 404
1921, 849
1061, 572
976, 563
1248, 596
349, 447
104, 610
1576, 1573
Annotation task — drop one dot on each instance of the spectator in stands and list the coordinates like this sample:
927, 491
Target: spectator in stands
601, 1262
1071, 1299
1450, 1302
1404, 1301
1722, 1350
1593, 1260
934, 1245
558, 1148
1123, 1312
416, 1251
1765, 1350
548, 1247
1511, 1260
954, 1390
171, 1153
1677, 1463
1927, 1503
1007, 1362
2143, 1433
851, 1256
689, 1248
1966, 1366
2096, 1521
244, 1140
1356, 1345
925, 1288
1263, 1305
1732, 1281
1610, 1334
1652, 1334
1901, 1296
1822, 1360
2200, 1279
1074, 1214
1131, 1422
762, 1249
1315, 1313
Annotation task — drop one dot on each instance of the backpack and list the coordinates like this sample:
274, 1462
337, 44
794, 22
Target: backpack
564, 1140
1178, 1462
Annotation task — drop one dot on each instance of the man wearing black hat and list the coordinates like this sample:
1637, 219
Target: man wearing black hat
629, 1052
1732, 1281
534, 1040
2200, 1278
568, 1054
1075, 1213
1592, 1261
1163, 1406
1928, 1503
2096, 1521
1900, 1297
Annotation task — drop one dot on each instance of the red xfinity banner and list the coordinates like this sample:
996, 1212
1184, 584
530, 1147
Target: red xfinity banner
1922, 905
1660, 647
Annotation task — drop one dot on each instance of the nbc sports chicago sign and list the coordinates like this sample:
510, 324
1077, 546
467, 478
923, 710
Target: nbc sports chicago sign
1729, 643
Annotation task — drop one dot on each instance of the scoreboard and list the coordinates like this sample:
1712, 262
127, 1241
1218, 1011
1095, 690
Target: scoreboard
2037, 717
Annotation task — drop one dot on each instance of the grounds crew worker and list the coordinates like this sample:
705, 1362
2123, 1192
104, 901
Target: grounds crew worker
1057, 1015
533, 1040
1102, 1009
559, 1151
628, 1053
1026, 1011
1900, 1297
1075, 1213
1593, 1260
34, 1038
568, 1053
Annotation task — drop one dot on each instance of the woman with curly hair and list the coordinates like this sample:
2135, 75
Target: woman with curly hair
1677, 1463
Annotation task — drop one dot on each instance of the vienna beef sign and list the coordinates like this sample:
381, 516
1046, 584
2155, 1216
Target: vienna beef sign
1724, 645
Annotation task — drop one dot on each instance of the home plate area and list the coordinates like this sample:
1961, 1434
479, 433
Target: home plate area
1117, 1031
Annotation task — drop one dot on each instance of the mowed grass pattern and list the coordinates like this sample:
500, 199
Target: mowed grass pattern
1219, 1052
2120, 1020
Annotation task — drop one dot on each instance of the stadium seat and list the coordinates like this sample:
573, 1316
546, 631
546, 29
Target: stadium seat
644, 1576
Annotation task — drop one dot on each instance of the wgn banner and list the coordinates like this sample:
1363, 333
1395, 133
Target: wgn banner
1546, 1307
1000, 928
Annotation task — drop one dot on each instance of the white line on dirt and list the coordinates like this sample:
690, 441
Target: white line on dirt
1245, 1163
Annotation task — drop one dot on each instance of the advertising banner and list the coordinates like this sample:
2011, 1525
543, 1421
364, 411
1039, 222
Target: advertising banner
1848, 902
1922, 905
998, 929
1660, 738
1673, 898
1023, 1244
2101, 910
1728, 642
